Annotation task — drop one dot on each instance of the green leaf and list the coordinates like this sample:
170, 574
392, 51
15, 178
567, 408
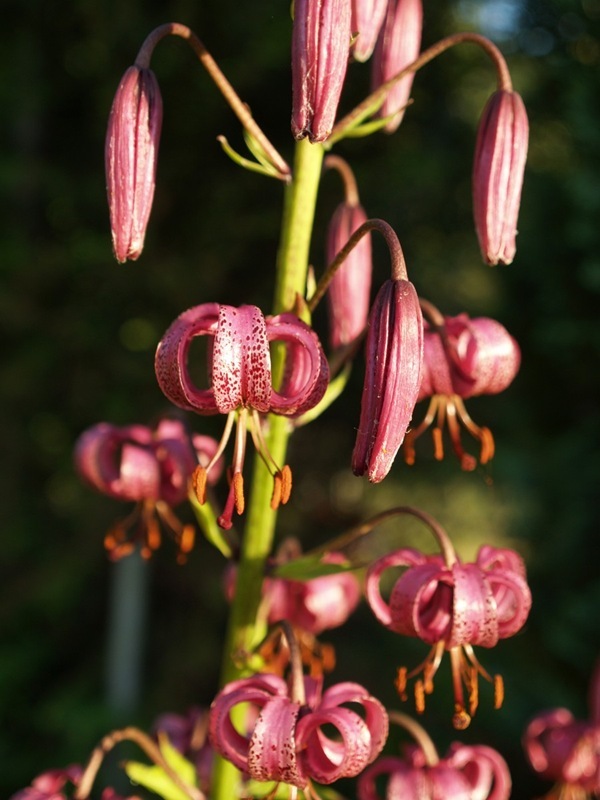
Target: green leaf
155, 779
207, 521
178, 763
252, 166
309, 567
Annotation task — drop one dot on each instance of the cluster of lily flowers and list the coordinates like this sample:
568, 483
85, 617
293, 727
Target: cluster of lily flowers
297, 732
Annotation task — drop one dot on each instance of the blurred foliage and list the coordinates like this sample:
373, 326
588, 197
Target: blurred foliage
80, 332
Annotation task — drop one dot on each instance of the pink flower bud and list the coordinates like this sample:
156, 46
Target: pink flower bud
398, 46
367, 19
131, 152
498, 167
320, 50
394, 355
350, 288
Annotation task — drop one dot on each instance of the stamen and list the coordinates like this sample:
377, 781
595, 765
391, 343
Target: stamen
438, 445
199, 479
286, 484
461, 720
473, 687
408, 448
152, 534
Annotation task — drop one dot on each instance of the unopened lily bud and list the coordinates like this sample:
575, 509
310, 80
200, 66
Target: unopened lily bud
498, 168
367, 19
130, 154
398, 46
394, 355
350, 287
320, 50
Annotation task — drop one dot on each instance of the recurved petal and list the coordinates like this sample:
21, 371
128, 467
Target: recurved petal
327, 759
272, 751
376, 717
404, 782
306, 373
241, 362
394, 355
474, 615
224, 737
405, 557
496, 359
485, 770
171, 360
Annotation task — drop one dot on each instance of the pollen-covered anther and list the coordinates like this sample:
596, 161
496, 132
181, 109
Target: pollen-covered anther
238, 492
498, 691
419, 696
199, 479
461, 719
401, 682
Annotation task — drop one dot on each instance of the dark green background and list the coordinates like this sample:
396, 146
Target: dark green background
80, 333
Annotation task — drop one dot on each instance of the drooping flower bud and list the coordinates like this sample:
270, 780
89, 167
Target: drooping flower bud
320, 50
350, 287
367, 19
498, 167
394, 356
131, 152
398, 45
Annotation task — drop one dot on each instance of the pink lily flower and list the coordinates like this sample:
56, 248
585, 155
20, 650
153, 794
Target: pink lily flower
153, 468
131, 153
291, 740
452, 606
320, 52
312, 606
350, 288
367, 19
463, 358
564, 749
394, 356
498, 167
398, 46
467, 773
49, 785
240, 367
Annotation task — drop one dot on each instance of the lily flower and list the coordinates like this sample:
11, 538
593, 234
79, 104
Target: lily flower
291, 739
367, 19
398, 46
567, 750
394, 356
153, 468
240, 374
467, 773
131, 153
320, 52
498, 167
49, 785
463, 358
452, 606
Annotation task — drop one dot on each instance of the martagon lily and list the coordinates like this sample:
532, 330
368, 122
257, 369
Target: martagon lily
291, 739
153, 468
565, 749
240, 382
462, 358
451, 606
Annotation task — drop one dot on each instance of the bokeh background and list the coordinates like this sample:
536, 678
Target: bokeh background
80, 333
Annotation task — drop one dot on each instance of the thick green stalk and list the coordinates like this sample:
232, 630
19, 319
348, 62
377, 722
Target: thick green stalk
244, 630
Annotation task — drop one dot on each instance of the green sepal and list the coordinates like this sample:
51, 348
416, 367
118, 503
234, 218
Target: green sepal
370, 127
207, 520
156, 779
356, 122
246, 163
334, 390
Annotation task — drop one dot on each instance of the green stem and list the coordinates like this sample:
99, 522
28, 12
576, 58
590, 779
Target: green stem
245, 630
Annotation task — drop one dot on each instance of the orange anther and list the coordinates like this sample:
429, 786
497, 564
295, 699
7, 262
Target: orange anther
498, 691
438, 445
286, 484
199, 478
238, 492
400, 683
188, 537
461, 720
276, 496
419, 697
